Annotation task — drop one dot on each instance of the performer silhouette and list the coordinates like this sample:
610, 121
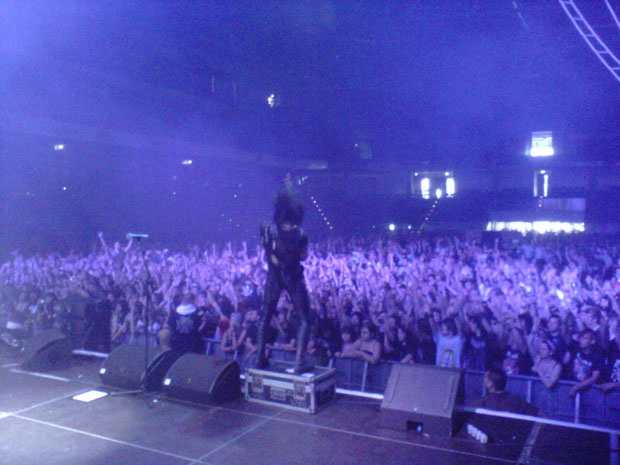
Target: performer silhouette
286, 246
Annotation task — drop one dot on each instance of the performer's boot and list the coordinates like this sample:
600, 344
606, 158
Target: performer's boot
261, 359
303, 335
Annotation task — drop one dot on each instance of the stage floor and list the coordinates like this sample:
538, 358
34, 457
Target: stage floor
41, 423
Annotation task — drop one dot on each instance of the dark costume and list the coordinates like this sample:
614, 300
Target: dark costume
504, 430
286, 245
184, 326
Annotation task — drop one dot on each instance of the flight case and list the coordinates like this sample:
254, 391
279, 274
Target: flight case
307, 392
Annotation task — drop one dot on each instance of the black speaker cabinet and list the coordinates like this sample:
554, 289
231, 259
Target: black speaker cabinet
97, 316
204, 379
422, 396
46, 351
124, 368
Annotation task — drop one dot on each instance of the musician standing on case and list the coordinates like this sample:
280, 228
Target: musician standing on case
286, 246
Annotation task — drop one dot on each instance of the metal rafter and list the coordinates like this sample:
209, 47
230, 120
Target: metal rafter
601, 50
613, 13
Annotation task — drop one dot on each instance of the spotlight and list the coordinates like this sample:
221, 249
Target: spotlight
542, 144
273, 100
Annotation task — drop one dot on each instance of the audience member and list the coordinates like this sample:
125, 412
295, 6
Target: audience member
545, 366
183, 325
588, 362
367, 347
449, 345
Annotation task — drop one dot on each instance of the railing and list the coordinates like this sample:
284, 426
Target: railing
592, 406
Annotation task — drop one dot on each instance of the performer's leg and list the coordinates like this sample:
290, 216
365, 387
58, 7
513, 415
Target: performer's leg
299, 296
273, 289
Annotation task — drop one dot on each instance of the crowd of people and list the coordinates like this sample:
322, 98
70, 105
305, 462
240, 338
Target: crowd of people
539, 306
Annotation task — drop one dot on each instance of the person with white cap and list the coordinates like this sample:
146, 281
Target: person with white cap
183, 326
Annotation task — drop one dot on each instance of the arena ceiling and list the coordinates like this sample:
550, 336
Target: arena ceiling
459, 83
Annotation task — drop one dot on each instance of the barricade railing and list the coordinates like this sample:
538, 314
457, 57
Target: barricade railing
591, 406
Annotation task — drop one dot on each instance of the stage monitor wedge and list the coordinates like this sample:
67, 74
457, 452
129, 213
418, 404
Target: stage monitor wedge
124, 368
422, 396
204, 379
47, 350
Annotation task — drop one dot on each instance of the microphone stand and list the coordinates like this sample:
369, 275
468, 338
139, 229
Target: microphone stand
147, 313
147, 320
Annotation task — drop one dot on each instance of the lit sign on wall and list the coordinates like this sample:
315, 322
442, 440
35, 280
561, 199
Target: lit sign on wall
542, 144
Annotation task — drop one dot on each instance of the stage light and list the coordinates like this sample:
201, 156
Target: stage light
187, 162
425, 188
438, 193
392, 227
59, 147
541, 183
541, 151
540, 227
450, 187
542, 144
273, 100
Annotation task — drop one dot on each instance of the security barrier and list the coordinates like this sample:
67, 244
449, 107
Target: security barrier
592, 406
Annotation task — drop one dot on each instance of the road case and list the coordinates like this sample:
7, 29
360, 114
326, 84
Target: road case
307, 392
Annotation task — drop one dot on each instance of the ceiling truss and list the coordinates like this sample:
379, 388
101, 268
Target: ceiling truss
596, 44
